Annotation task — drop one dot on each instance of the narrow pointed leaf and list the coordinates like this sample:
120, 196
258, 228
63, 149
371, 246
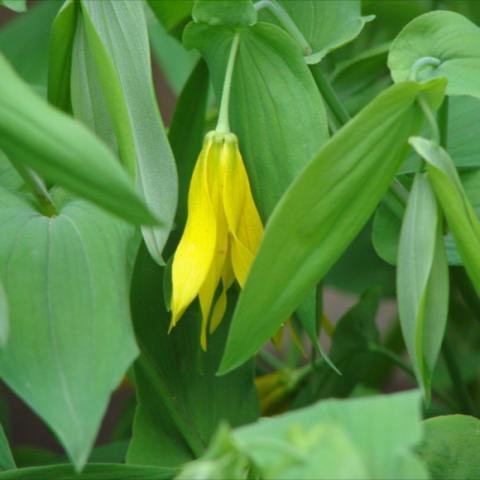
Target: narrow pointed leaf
62, 150
422, 281
15, 5
450, 38
7, 461
71, 341
322, 212
121, 59
462, 220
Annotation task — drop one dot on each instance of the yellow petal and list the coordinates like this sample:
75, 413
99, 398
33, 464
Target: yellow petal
244, 222
221, 303
194, 255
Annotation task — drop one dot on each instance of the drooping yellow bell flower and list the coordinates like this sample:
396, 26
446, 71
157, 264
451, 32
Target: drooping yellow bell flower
221, 236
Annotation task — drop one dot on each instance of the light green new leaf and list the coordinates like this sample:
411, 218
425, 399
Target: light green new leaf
15, 5
451, 447
62, 150
71, 341
383, 441
91, 472
322, 212
240, 13
275, 107
449, 38
422, 281
461, 217
119, 55
324, 25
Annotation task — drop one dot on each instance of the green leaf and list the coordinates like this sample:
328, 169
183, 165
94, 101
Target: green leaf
6, 458
91, 472
60, 57
180, 399
322, 212
9, 178
15, 5
449, 38
240, 13
275, 107
351, 352
325, 25
120, 57
70, 340
461, 217
29, 33
287, 446
422, 281
62, 150
451, 447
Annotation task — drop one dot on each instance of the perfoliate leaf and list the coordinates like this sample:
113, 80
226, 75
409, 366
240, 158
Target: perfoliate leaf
325, 25
461, 217
322, 212
270, 81
120, 58
62, 150
71, 341
422, 281
451, 40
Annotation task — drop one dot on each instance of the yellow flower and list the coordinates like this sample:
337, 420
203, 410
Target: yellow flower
222, 233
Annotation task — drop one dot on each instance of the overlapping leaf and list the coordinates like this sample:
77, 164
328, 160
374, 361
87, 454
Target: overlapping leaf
66, 279
422, 281
62, 150
322, 212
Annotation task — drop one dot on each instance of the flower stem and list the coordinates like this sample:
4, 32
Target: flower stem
287, 23
223, 124
37, 187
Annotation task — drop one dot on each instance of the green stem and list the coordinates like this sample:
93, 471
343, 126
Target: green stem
271, 360
460, 388
443, 123
328, 93
287, 23
37, 187
223, 124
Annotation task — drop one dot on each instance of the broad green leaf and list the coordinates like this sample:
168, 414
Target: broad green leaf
60, 58
451, 447
6, 458
121, 60
91, 472
181, 401
71, 340
172, 14
9, 178
383, 441
240, 13
29, 33
62, 150
351, 352
325, 25
15, 5
461, 217
449, 38
322, 212
270, 81
422, 281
